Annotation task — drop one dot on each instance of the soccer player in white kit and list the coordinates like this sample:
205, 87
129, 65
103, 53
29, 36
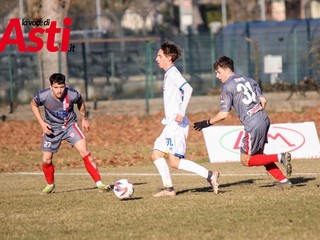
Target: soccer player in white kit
244, 95
60, 124
172, 141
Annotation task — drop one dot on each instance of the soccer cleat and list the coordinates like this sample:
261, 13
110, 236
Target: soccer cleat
166, 192
103, 187
49, 189
213, 181
286, 162
284, 185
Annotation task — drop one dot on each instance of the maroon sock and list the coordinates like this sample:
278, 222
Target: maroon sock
91, 169
274, 171
262, 159
48, 170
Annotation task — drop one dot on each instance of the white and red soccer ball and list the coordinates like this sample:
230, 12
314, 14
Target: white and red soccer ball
123, 189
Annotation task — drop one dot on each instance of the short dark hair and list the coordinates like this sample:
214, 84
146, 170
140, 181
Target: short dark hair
57, 78
224, 62
169, 48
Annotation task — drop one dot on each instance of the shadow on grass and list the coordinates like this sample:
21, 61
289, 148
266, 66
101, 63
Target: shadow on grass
131, 199
111, 186
204, 189
76, 190
243, 182
139, 183
301, 181
221, 186
296, 182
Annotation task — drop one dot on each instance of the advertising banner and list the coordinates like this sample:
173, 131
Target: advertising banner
300, 139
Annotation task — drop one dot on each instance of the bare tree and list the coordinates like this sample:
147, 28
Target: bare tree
147, 9
115, 9
240, 10
55, 10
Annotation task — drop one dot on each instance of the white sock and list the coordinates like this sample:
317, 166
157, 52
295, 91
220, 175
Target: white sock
284, 180
164, 171
279, 157
190, 166
98, 183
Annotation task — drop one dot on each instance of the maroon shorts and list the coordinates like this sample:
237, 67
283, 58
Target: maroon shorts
254, 140
51, 143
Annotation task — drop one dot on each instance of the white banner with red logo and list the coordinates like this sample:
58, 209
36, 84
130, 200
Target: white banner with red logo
300, 139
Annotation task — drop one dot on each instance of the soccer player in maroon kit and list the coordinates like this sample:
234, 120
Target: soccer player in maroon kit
245, 96
60, 124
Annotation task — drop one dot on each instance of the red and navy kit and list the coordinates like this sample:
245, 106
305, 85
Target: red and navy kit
243, 93
59, 113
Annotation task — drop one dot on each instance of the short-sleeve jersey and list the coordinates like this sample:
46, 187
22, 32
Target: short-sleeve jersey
173, 93
243, 93
59, 113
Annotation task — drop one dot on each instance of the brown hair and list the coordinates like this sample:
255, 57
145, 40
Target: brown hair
57, 78
171, 49
224, 62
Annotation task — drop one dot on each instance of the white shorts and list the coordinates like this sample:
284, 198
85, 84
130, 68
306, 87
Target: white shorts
173, 138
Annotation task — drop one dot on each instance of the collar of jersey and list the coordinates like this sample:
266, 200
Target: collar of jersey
170, 68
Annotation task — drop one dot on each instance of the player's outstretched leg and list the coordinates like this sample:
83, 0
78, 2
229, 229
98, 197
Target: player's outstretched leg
213, 181
103, 187
166, 192
164, 171
284, 184
48, 170
212, 177
286, 162
94, 172
50, 188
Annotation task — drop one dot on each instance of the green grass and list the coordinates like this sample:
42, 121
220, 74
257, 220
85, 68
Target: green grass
248, 207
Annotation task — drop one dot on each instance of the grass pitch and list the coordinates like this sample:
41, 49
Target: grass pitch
248, 206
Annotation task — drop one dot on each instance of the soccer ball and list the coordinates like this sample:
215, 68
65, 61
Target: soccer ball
123, 189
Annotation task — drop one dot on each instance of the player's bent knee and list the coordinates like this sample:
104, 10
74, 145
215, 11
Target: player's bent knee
173, 165
86, 153
156, 155
174, 162
244, 160
46, 161
47, 158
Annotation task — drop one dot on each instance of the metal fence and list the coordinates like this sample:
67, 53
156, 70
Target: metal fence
296, 43
125, 68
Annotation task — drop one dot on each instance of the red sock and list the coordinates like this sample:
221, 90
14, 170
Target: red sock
262, 159
91, 169
274, 171
48, 170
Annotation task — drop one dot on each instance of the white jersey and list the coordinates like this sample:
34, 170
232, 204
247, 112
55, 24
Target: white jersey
176, 95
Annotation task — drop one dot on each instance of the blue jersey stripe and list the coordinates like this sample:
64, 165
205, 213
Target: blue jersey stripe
180, 88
